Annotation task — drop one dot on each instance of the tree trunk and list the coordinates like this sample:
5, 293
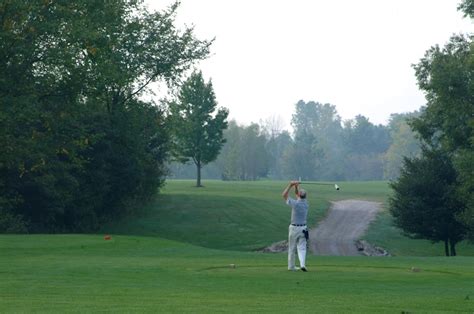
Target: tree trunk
452, 244
446, 247
198, 166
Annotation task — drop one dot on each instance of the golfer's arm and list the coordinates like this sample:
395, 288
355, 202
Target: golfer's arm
296, 189
285, 191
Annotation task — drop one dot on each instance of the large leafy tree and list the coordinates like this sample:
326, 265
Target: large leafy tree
78, 144
425, 204
465, 159
446, 127
446, 76
197, 123
467, 6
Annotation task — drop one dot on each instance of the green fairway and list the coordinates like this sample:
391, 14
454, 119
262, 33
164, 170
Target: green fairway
234, 215
248, 216
85, 273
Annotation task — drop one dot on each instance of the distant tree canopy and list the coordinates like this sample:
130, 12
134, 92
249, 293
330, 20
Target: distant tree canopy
244, 157
321, 148
197, 126
403, 144
365, 145
78, 146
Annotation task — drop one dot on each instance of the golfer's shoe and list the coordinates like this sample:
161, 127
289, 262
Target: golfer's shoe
292, 269
304, 269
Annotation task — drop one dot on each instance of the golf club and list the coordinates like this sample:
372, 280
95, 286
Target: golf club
319, 183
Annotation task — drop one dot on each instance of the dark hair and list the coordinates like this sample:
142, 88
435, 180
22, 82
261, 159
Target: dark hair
302, 194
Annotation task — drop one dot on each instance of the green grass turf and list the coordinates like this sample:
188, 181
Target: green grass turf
234, 215
383, 233
85, 273
248, 216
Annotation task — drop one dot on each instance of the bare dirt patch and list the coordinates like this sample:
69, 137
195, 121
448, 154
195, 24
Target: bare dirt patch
346, 222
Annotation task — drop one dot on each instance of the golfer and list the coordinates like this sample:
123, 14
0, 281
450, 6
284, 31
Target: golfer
298, 232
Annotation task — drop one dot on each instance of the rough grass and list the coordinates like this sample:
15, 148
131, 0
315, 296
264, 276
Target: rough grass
85, 273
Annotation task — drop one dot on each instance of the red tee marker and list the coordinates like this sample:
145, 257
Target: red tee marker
107, 237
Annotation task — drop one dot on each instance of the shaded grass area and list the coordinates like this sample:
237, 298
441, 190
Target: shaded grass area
84, 273
234, 215
383, 233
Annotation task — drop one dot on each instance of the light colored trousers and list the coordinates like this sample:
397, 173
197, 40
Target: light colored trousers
296, 243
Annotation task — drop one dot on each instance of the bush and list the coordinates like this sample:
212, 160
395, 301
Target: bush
11, 223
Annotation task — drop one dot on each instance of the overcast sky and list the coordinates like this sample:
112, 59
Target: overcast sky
356, 55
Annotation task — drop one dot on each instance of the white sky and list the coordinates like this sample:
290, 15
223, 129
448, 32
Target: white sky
356, 55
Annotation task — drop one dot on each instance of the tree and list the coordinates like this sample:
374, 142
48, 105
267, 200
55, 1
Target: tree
229, 160
79, 147
302, 159
276, 148
253, 154
425, 204
317, 146
272, 126
197, 128
403, 144
467, 6
447, 122
363, 137
365, 145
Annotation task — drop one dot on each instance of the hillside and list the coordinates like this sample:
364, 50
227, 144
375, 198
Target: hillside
233, 215
248, 216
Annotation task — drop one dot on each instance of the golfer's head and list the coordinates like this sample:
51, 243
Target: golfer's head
302, 193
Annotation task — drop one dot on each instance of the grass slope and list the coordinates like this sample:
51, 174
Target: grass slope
84, 273
247, 216
233, 215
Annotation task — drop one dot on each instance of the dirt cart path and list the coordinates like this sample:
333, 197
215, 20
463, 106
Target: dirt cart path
345, 223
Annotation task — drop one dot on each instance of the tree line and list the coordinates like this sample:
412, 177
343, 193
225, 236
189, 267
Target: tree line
79, 146
434, 195
321, 147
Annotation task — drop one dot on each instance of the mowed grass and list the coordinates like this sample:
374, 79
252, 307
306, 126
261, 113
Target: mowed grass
139, 271
242, 216
383, 233
85, 273
248, 216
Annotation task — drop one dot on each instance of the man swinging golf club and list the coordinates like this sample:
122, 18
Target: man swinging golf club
298, 232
